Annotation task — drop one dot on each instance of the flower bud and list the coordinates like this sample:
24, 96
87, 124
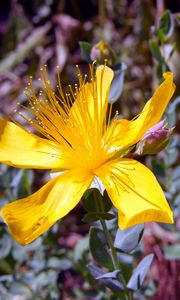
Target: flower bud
100, 52
155, 139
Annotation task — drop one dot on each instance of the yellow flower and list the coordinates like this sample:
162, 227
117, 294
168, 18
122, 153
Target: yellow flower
80, 140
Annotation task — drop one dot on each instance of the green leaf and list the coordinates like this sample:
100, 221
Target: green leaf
155, 50
117, 83
108, 281
90, 199
166, 24
112, 275
158, 168
159, 71
107, 204
5, 245
175, 180
93, 201
171, 111
128, 239
140, 273
5, 267
172, 252
93, 216
172, 151
85, 51
161, 35
95, 270
97, 245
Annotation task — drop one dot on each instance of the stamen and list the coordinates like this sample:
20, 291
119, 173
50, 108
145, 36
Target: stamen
74, 123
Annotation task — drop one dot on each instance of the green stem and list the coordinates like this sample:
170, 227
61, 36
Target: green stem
115, 259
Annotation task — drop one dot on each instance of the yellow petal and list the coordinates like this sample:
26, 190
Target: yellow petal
28, 218
92, 99
135, 192
104, 77
124, 133
20, 148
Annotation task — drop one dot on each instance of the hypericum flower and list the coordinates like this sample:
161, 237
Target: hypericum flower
80, 140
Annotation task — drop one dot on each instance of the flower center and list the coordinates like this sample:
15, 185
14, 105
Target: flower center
74, 122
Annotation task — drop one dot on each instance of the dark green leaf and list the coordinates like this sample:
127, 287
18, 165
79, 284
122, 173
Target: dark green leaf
128, 239
166, 23
93, 201
98, 248
140, 273
154, 47
85, 51
107, 204
90, 199
5, 267
158, 168
91, 217
159, 71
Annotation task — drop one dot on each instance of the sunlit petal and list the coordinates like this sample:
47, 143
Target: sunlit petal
125, 133
93, 97
20, 148
86, 120
135, 192
28, 218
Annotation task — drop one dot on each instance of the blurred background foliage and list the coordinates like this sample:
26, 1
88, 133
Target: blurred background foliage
141, 42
